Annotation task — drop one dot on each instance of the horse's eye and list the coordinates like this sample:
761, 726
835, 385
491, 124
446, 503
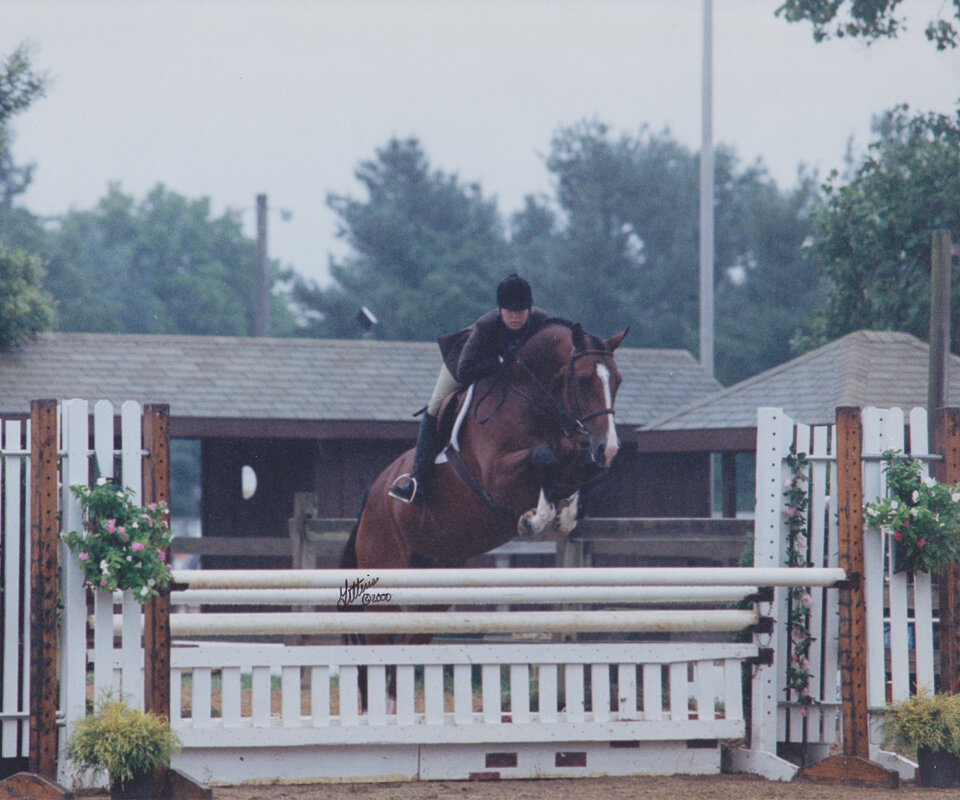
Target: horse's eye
583, 383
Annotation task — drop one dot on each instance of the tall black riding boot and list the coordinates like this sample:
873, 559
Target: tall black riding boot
406, 487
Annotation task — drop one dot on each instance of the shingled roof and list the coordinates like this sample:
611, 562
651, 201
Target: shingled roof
214, 378
864, 368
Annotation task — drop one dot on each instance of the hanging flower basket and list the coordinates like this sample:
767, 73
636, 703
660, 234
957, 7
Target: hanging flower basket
921, 516
122, 545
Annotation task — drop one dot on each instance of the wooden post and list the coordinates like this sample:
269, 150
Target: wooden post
854, 766
156, 631
853, 616
44, 544
939, 357
947, 444
156, 617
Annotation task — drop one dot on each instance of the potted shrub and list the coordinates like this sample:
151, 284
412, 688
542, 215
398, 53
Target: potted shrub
126, 742
930, 726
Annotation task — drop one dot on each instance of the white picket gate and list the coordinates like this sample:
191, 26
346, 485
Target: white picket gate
899, 606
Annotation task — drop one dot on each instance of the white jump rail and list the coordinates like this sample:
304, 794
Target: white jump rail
541, 576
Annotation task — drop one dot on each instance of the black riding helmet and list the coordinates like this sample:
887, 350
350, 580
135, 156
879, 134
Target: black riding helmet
514, 294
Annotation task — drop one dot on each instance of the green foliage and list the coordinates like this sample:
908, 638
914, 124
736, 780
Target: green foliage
924, 721
26, 308
922, 514
427, 252
122, 546
629, 250
866, 19
874, 231
796, 507
122, 740
161, 265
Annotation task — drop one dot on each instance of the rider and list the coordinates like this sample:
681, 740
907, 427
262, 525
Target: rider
468, 355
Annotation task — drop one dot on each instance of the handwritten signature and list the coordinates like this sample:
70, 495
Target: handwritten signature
358, 588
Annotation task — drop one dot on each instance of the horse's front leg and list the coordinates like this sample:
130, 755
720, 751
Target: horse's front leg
553, 516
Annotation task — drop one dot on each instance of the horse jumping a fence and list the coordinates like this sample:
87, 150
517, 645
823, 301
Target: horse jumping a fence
516, 707
521, 447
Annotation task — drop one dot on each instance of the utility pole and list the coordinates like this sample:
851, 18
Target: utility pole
261, 303
939, 359
706, 195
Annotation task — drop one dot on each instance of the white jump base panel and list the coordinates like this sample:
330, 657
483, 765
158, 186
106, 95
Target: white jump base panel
538, 710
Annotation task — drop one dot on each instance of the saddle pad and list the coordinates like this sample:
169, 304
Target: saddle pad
455, 433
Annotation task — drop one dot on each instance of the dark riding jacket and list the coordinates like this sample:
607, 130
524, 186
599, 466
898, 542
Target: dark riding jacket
476, 351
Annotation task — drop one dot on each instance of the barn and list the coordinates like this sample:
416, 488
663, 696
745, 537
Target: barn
326, 416
865, 368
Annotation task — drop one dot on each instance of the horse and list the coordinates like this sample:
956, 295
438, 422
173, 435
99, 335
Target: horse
523, 442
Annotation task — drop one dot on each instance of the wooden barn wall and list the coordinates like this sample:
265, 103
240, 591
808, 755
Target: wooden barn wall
346, 469
653, 485
283, 467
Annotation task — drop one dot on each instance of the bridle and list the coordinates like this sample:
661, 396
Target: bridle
571, 422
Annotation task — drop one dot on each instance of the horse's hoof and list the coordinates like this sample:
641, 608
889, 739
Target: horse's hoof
525, 525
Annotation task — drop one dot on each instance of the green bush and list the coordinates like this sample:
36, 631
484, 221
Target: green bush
122, 740
924, 721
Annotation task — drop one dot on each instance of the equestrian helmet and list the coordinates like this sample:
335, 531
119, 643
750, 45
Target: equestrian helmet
514, 294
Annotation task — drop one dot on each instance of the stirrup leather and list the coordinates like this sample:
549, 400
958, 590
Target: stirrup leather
393, 491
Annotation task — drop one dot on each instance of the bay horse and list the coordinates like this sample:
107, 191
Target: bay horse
523, 443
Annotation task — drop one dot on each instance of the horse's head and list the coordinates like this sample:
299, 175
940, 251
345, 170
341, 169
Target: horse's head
589, 392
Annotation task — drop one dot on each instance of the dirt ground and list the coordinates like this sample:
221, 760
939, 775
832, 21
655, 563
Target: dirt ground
722, 787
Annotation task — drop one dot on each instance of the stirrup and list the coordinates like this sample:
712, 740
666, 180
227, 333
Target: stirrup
393, 491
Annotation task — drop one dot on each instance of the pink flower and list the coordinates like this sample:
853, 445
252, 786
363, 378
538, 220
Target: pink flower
83, 556
898, 536
804, 711
789, 511
162, 555
805, 599
103, 581
136, 547
123, 532
906, 523
147, 517
110, 526
152, 507
921, 542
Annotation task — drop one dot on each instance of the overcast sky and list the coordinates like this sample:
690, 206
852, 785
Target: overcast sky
229, 98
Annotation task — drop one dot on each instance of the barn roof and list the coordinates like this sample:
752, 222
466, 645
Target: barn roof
864, 368
218, 385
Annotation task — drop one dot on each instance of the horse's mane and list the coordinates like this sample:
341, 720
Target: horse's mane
595, 341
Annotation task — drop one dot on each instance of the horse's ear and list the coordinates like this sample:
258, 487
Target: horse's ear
614, 341
579, 337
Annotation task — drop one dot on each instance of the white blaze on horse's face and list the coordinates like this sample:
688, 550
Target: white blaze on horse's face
612, 444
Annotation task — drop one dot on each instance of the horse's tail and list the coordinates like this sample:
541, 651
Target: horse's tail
348, 556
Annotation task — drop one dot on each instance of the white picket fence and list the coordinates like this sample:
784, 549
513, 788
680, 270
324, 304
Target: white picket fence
15, 594
899, 606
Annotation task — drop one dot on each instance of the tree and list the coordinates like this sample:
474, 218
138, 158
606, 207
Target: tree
629, 251
866, 19
874, 232
25, 307
19, 87
162, 265
425, 251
